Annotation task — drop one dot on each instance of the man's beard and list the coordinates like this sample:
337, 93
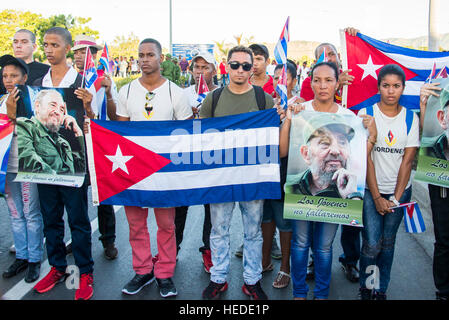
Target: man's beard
323, 176
52, 127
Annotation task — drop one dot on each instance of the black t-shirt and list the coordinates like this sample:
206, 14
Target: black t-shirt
37, 70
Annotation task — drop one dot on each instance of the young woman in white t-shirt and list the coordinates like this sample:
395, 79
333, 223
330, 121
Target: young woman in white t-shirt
324, 85
388, 179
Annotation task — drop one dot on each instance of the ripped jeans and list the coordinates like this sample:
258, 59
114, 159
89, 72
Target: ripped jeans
221, 215
378, 241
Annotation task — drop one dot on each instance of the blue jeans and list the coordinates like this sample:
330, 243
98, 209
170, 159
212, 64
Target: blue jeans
378, 239
22, 199
221, 215
322, 236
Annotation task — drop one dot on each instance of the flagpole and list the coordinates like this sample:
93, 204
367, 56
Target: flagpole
344, 63
84, 68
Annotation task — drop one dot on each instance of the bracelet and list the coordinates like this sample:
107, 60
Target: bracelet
373, 142
377, 198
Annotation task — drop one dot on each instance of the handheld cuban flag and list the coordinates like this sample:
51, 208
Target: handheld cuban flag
203, 89
365, 56
104, 59
281, 88
90, 72
323, 57
432, 74
280, 54
413, 220
280, 51
442, 73
6, 134
181, 163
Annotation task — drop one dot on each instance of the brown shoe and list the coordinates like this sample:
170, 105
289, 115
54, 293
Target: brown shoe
110, 251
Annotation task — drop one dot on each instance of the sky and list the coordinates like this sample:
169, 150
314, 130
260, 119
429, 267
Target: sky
206, 21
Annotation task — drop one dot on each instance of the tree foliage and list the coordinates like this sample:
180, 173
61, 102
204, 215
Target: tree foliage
124, 46
12, 20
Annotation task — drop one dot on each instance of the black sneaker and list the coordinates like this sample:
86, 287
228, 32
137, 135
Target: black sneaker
18, 266
254, 291
33, 272
138, 282
110, 251
351, 272
440, 296
365, 294
166, 287
213, 290
379, 296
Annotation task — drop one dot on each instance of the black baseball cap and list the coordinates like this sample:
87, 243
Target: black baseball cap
260, 47
8, 59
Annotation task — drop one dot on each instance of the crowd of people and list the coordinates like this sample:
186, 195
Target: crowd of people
248, 84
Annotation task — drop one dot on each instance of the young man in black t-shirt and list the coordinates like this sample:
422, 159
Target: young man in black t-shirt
24, 45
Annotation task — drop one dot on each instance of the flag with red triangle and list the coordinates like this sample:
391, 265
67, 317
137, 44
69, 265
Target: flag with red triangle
365, 56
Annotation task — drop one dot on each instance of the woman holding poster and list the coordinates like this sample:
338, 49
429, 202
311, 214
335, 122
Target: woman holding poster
434, 105
388, 181
322, 234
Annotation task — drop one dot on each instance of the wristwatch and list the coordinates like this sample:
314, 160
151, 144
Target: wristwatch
393, 199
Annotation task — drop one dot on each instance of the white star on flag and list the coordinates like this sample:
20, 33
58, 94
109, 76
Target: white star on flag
119, 160
369, 69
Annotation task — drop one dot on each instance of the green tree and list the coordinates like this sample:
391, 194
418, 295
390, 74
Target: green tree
10, 22
76, 26
124, 46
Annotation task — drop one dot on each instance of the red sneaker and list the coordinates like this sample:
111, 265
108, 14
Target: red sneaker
50, 280
85, 291
207, 260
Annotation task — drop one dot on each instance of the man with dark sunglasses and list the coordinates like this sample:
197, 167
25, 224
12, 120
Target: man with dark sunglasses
236, 98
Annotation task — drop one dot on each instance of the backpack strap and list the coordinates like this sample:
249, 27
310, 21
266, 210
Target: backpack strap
260, 97
215, 97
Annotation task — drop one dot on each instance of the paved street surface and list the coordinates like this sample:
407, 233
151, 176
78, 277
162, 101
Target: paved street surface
411, 277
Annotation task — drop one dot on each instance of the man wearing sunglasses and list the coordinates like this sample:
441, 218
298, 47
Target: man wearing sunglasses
236, 98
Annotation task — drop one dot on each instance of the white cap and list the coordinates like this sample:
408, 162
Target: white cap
206, 55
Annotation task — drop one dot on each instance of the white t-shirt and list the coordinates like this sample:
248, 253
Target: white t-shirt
165, 107
388, 151
309, 107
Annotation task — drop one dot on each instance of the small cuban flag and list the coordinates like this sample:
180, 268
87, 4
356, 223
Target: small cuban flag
90, 72
442, 73
413, 220
281, 88
323, 57
432, 73
203, 89
104, 59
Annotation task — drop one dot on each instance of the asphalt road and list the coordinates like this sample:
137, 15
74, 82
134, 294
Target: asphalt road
411, 274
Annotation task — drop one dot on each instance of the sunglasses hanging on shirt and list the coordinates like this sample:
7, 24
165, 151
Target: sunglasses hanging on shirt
148, 113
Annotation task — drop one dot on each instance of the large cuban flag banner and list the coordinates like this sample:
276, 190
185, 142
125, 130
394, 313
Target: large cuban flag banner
365, 56
182, 163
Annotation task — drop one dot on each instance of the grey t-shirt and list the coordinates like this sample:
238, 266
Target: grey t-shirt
231, 103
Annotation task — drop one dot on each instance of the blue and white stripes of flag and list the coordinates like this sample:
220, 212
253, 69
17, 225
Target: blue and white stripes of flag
280, 53
413, 220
